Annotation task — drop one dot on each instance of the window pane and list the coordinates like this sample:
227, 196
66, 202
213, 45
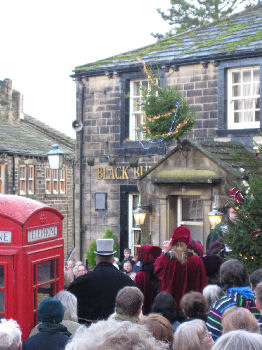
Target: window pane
246, 76
135, 205
248, 116
246, 89
137, 91
236, 77
238, 105
2, 301
145, 84
236, 90
256, 88
136, 104
256, 75
192, 209
2, 277
257, 116
248, 104
44, 292
45, 271
137, 237
236, 117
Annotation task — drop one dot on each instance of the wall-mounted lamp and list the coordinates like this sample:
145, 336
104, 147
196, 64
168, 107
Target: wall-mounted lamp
140, 213
55, 157
214, 216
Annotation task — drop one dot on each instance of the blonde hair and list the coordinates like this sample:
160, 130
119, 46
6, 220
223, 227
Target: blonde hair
239, 318
188, 335
180, 250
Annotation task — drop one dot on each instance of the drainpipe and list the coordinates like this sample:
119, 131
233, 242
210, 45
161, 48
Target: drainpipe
81, 170
13, 174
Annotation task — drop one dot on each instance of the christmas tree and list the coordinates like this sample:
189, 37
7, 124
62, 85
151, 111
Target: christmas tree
245, 240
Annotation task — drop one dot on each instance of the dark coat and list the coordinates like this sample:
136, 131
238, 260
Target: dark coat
96, 291
44, 341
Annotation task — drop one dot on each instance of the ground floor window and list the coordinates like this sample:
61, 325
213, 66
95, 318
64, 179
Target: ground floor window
190, 214
134, 231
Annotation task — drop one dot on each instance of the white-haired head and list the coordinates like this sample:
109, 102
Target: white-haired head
114, 335
69, 303
10, 335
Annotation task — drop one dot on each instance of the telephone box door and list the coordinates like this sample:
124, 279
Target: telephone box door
6, 287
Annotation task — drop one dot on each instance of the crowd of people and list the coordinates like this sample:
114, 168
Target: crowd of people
167, 298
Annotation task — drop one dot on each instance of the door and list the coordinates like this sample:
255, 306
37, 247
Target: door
7, 299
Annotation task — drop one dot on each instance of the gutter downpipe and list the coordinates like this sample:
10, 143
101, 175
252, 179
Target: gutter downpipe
81, 170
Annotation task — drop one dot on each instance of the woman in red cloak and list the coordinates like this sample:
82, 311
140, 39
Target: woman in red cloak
178, 270
145, 279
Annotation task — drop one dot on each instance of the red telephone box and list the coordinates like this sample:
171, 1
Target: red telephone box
31, 258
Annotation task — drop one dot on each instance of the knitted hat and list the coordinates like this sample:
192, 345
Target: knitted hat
181, 234
50, 310
149, 253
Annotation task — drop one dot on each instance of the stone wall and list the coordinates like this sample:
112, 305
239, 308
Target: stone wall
11, 102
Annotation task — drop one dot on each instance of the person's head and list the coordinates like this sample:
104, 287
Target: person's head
69, 265
255, 278
127, 253
68, 278
149, 253
69, 302
114, 335
81, 270
160, 328
239, 318
10, 335
129, 301
50, 310
194, 305
211, 293
192, 335
181, 240
240, 340
231, 214
258, 294
165, 305
212, 265
79, 262
127, 267
233, 274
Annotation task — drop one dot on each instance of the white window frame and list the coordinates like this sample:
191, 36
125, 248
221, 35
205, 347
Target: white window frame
48, 182
62, 180
134, 132
22, 180
131, 228
2, 178
31, 179
52, 177
253, 96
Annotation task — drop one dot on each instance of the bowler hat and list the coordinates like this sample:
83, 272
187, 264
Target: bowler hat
105, 246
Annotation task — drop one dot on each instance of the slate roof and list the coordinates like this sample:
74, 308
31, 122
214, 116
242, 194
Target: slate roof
32, 137
225, 154
239, 36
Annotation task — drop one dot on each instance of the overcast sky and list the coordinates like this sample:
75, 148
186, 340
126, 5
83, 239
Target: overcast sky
42, 42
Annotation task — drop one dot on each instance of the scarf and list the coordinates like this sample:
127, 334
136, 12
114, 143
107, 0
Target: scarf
53, 328
246, 292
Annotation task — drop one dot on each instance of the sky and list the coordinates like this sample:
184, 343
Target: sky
43, 41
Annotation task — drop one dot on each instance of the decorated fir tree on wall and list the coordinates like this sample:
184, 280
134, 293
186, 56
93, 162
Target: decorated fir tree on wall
245, 240
167, 115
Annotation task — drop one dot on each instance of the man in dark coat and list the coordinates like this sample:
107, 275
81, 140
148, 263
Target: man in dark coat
96, 291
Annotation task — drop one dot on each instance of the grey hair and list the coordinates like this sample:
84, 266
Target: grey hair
10, 335
114, 335
212, 292
128, 301
188, 334
240, 340
69, 302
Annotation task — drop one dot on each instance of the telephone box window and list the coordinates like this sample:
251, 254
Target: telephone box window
46, 281
2, 291
2, 279
2, 302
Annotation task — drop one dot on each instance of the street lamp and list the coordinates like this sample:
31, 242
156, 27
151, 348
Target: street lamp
140, 213
55, 157
214, 216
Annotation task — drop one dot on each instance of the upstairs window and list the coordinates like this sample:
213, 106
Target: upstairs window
26, 179
136, 118
244, 98
2, 178
55, 181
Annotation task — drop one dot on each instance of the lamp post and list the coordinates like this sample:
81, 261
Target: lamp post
55, 157
214, 216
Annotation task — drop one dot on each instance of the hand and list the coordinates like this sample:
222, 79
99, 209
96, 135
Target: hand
166, 246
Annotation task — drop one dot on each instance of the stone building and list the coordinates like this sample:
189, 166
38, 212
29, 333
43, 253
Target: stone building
218, 70
24, 167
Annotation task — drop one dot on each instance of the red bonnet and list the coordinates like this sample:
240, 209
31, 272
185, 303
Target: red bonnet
149, 253
181, 234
